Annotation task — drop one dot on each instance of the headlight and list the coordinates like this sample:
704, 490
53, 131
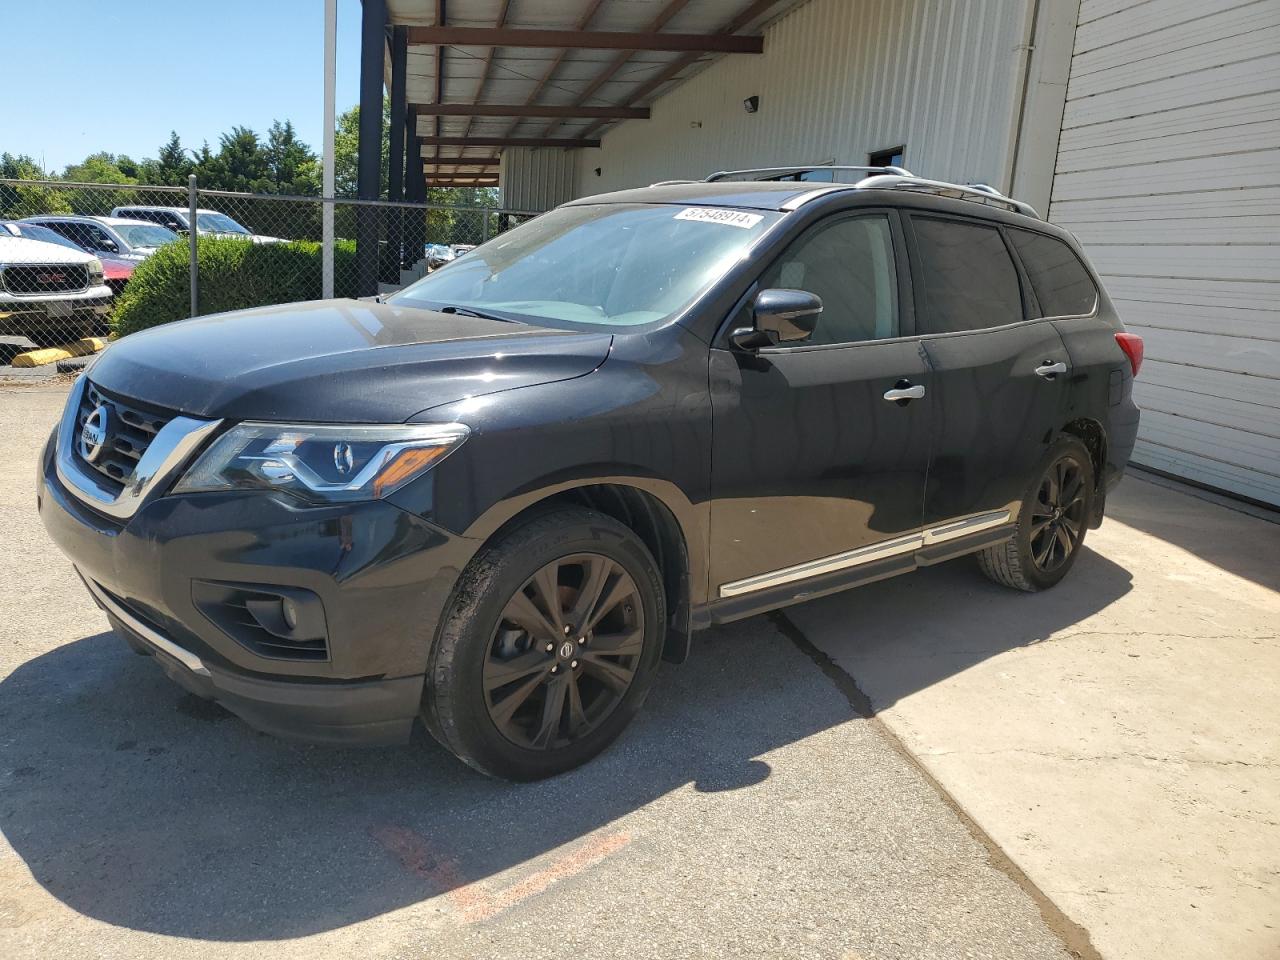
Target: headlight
322, 463
95, 272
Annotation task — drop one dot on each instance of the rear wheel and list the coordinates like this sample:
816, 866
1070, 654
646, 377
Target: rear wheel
550, 647
1051, 524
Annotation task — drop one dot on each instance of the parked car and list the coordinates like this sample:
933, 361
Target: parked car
118, 237
497, 498
50, 293
209, 222
438, 254
120, 244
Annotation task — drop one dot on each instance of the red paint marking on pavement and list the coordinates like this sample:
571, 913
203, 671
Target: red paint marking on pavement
414, 854
474, 901
591, 852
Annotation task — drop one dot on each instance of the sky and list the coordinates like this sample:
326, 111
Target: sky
79, 76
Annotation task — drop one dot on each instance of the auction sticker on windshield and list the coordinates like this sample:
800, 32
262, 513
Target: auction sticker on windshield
730, 218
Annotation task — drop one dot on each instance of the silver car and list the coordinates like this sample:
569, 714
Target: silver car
208, 222
115, 236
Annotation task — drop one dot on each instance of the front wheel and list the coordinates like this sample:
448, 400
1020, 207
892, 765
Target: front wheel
1051, 523
550, 646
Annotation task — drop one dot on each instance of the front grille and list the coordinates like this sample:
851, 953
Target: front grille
130, 429
33, 278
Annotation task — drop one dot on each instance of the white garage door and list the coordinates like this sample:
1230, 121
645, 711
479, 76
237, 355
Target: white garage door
1169, 172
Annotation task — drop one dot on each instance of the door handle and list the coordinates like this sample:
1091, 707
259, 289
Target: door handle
903, 392
1050, 369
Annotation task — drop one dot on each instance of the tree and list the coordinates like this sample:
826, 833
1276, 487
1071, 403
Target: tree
291, 163
239, 164
15, 201
102, 167
346, 150
172, 165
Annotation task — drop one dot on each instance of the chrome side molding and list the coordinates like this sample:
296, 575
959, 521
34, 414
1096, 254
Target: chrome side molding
910, 543
168, 451
152, 636
962, 528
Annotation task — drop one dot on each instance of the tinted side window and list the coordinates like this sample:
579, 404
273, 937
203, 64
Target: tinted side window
72, 231
970, 282
1063, 286
95, 236
849, 263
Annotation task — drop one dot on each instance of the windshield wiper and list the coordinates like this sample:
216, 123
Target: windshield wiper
469, 312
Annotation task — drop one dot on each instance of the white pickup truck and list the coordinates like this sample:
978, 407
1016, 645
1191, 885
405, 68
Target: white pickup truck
50, 293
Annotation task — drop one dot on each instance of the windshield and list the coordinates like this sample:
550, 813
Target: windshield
33, 231
148, 235
218, 223
608, 264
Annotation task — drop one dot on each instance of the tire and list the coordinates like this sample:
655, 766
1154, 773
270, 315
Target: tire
577, 696
1049, 533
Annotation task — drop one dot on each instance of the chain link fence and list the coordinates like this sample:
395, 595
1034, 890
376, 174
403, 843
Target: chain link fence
86, 259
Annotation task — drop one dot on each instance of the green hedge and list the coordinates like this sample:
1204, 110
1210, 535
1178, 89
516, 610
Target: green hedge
233, 274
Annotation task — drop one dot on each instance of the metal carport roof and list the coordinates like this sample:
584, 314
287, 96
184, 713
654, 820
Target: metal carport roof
481, 75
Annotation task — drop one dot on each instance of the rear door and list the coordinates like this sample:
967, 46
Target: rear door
999, 377
810, 461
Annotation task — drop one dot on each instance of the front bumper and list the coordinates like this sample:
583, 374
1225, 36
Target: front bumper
382, 574
95, 301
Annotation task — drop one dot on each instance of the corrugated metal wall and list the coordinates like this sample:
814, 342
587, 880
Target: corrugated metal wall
535, 178
838, 79
1169, 172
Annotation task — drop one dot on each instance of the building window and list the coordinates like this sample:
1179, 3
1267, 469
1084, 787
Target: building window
887, 158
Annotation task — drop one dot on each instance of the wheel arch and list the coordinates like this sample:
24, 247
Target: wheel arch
643, 507
1093, 435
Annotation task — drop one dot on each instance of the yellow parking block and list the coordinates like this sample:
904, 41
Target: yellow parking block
77, 348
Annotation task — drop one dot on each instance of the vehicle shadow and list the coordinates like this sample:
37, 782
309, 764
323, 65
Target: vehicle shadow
139, 805
899, 636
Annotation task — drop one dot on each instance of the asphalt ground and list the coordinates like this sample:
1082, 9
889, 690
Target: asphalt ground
750, 811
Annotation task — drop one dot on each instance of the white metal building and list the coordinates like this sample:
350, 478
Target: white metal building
1151, 128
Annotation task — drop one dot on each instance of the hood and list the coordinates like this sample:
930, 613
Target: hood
337, 361
25, 250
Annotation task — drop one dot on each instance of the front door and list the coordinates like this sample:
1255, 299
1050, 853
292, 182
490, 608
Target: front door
811, 464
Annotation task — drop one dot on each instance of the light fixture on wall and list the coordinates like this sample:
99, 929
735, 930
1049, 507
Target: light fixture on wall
695, 125
597, 171
751, 104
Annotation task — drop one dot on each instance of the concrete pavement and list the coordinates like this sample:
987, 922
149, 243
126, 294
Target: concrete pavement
1119, 736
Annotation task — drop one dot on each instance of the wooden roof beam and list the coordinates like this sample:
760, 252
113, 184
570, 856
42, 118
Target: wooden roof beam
585, 39
750, 13
530, 110
565, 142
619, 61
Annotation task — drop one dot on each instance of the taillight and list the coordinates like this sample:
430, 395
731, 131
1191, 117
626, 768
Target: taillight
1131, 344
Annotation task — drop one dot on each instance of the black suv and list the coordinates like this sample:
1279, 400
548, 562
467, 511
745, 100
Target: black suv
496, 499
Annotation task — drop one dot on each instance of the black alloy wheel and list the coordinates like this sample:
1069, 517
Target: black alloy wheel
1052, 522
1058, 514
565, 651
549, 646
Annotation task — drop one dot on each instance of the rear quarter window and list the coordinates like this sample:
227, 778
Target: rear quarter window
1061, 282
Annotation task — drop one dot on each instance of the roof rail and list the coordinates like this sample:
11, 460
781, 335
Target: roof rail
980, 192
673, 183
881, 178
775, 173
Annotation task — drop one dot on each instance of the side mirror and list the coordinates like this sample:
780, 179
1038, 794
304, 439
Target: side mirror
108, 246
780, 316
